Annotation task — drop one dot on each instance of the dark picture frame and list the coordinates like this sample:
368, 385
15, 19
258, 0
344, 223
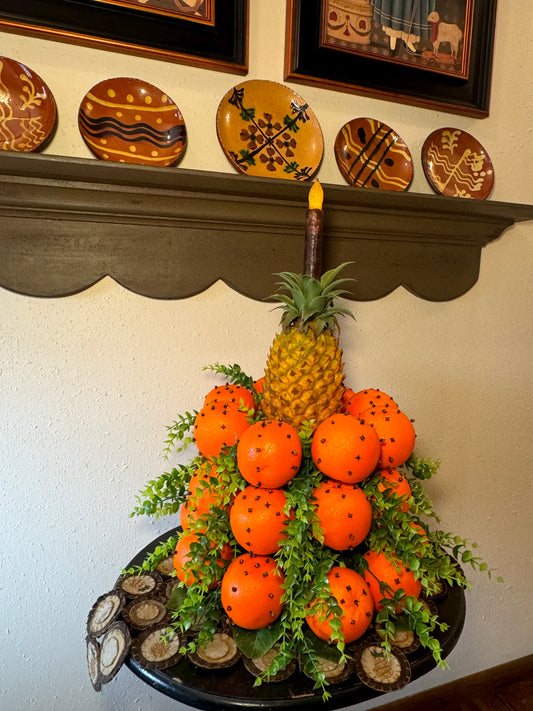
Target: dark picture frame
221, 45
309, 61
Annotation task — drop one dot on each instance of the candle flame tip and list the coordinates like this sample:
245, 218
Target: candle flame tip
316, 196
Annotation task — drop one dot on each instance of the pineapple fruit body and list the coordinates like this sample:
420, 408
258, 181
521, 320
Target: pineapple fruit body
304, 380
303, 377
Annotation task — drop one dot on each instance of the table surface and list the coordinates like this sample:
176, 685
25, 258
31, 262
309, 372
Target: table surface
234, 688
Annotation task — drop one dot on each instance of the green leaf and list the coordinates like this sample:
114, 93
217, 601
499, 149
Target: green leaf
247, 157
176, 599
255, 643
322, 648
248, 114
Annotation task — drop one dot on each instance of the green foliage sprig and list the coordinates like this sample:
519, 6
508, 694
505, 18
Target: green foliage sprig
422, 468
232, 373
416, 615
164, 495
177, 432
152, 560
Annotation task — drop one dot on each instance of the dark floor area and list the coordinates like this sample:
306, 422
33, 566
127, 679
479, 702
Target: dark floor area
508, 687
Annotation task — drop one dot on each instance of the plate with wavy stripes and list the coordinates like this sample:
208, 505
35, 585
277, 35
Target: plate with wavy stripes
371, 154
130, 121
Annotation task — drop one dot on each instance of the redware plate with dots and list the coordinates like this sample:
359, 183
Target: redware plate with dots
130, 121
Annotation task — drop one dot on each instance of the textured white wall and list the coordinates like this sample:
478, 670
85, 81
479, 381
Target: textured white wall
88, 383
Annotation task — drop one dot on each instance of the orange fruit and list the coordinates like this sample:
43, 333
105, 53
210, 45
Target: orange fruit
202, 479
353, 597
418, 532
345, 448
369, 398
389, 570
195, 507
233, 395
417, 528
259, 385
251, 591
203, 495
395, 482
344, 514
269, 453
347, 395
396, 435
184, 555
257, 519
218, 425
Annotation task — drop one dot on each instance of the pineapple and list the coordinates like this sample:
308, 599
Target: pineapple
304, 372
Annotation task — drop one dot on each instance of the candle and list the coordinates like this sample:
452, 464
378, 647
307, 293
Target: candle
313, 232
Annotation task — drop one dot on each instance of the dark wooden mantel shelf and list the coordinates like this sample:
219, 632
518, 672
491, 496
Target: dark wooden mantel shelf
169, 233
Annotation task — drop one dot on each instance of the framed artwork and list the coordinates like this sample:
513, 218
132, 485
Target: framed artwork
206, 33
430, 53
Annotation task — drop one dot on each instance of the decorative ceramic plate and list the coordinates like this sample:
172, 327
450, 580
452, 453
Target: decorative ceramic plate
130, 121
371, 155
265, 129
456, 164
28, 109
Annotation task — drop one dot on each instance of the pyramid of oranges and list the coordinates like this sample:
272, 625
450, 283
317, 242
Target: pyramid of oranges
302, 516
246, 504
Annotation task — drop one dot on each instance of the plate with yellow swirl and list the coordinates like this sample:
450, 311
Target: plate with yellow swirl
28, 111
456, 164
130, 121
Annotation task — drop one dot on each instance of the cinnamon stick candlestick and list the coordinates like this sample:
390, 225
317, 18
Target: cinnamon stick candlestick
313, 232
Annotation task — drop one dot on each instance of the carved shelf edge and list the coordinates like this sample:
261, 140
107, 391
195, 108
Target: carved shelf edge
170, 233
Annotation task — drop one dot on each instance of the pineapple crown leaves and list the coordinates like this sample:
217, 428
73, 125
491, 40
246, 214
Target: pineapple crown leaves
309, 302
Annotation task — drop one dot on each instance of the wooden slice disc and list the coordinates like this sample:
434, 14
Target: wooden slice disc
114, 648
157, 647
259, 665
104, 612
135, 586
93, 663
380, 670
143, 613
219, 653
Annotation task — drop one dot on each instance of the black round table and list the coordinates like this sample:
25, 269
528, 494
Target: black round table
234, 688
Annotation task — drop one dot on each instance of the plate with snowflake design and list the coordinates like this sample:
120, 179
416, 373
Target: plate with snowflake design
267, 130
28, 111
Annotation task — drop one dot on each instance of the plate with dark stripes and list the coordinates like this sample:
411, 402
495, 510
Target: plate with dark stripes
371, 154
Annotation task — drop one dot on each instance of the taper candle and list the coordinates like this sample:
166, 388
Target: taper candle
313, 232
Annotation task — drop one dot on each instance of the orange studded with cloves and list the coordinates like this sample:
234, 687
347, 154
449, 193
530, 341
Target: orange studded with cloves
344, 514
251, 591
355, 601
269, 454
345, 448
219, 424
257, 519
